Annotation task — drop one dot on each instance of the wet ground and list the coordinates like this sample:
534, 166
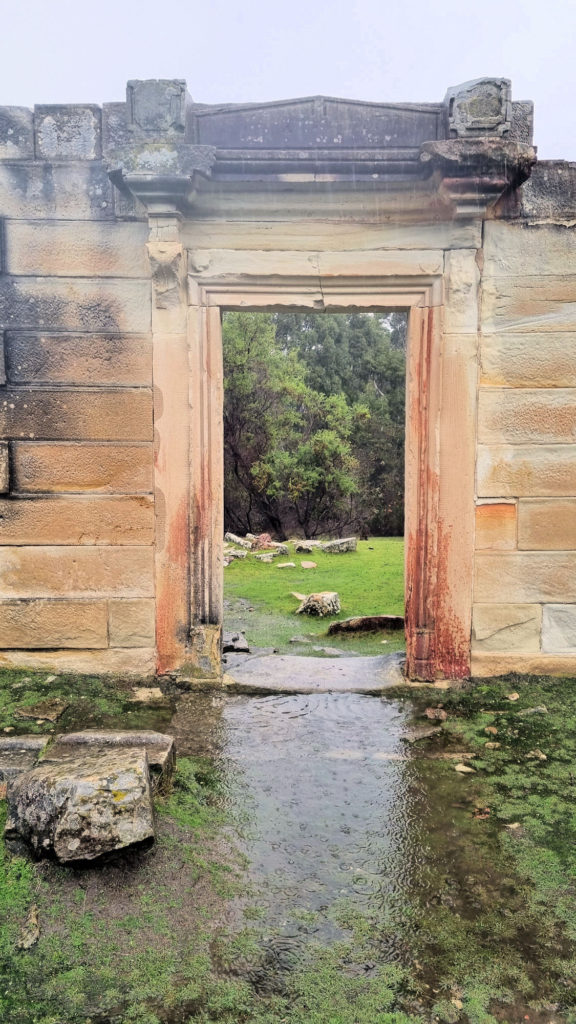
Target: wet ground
328, 861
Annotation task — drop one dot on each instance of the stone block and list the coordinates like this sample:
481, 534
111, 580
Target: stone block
496, 526
4, 468
76, 572
78, 520
525, 577
549, 194
479, 107
526, 470
16, 134
506, 627
132, 623
524, 249
72, 249
39, 191
69, 304
522, 126
159, 748
517, 416
157, 105
523, 305
87, 804
529, 360
547, 524
68, 132
486, 663
83, 359
53, 624
67, 468
61, 414
18, 754
94, 468
310, 235
138, 662
462, 278
559, 629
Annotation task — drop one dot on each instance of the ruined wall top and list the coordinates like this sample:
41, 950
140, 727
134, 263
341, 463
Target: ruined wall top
159, 146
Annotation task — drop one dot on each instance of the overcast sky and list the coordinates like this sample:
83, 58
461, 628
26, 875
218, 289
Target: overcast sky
64, 51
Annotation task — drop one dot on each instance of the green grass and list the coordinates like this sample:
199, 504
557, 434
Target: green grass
370, 581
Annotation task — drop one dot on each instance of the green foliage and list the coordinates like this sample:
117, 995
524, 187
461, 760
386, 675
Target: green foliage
313, 423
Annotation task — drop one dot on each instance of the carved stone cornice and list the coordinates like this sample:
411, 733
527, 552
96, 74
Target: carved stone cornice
472, 173
162, 176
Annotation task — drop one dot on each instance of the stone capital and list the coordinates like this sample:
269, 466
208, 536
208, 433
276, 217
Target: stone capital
472, 173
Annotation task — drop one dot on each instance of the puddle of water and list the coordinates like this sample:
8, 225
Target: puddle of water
340, 816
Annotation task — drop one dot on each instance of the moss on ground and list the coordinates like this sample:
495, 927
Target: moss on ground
370, 581
486, 928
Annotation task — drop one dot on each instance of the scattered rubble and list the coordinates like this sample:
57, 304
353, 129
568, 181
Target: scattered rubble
45, 711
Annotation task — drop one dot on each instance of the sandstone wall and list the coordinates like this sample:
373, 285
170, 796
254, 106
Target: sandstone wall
111, 376
525, 567
77, 507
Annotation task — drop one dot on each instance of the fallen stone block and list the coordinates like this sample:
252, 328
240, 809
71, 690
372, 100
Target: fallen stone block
321, 604
339, 547
159, 747
367, 624
18, 754
45, 711
89, 803
309, 565
306, 547
241, 542
286, 565
232, 553
235, 643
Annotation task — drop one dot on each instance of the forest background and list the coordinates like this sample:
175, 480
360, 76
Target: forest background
314, 423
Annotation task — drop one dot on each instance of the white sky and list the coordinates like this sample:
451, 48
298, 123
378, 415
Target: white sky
65, 51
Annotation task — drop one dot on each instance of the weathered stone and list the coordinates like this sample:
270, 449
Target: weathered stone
139, 662
522, 361
266, 557
526, 305
496, 526
53, 624
321, 604
518, 416
525, 577
40, 190
480, 107
535, 470
159, 747
547, 524
67, 132
242, 542
16, 134
18, 754
132, 623
559, 629
157, 105
62, 414
366, 624
49, 710
83, 806
306, 547
261, 542
69, 249
80, 304
286, 565
68, 467
235, 643
85, 359
76, 571
235, 553
309, 565
341, 546
506, 627
87, 520
4, 468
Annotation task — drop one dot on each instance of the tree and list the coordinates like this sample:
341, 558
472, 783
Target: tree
287, 452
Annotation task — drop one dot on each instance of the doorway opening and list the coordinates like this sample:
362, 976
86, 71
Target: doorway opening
314, 441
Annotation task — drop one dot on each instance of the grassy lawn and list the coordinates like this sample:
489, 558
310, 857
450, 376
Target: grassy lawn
370, 581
